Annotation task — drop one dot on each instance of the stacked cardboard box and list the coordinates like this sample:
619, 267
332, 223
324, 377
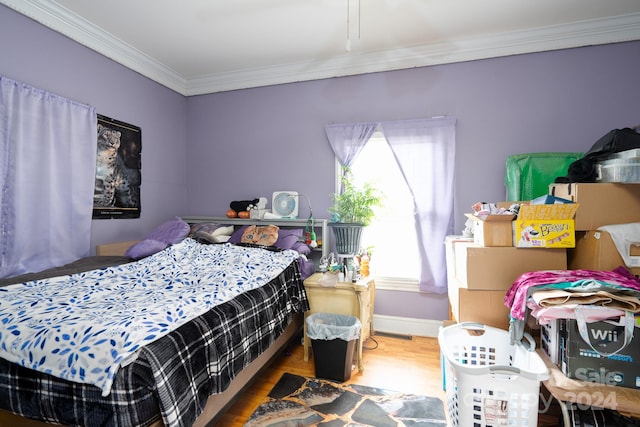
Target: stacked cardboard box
479, 277
600, 204
480, 272
595, 250
492, 230
548, 225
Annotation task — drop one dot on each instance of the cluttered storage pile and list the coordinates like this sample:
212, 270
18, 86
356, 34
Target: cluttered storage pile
587, 319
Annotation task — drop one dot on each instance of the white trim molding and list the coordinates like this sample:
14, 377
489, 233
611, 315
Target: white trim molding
406, 326
397, 284
60, 19
584, 33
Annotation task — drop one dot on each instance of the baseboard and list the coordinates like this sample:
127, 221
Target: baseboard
406, 325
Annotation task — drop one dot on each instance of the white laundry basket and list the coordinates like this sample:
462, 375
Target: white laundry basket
488, 381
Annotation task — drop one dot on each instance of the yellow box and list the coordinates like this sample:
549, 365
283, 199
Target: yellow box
555, 211
545, 226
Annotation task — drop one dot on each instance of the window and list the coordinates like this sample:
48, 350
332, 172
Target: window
392, 235
425, 154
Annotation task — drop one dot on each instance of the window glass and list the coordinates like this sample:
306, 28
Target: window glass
392, 235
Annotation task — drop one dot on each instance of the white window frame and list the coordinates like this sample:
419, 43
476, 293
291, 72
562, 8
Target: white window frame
382, 282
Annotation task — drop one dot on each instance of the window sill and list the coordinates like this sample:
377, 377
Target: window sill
396, 284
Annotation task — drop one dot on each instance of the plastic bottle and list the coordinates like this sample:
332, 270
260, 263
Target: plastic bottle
364, 266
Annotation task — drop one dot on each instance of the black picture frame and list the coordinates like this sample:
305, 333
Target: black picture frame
118, 170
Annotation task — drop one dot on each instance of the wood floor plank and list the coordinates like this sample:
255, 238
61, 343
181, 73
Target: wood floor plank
412, 366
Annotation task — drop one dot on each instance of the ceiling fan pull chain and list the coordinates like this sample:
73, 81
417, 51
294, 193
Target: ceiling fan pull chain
348, 44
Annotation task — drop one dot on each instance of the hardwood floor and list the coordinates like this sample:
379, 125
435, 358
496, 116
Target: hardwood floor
410, 365
394, 363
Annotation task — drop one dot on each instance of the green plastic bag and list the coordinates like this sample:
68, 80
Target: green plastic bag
528, 176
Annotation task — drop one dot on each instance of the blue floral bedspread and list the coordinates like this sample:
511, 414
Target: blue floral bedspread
85, 326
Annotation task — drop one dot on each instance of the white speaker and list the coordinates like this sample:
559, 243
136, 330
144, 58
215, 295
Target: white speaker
284, 204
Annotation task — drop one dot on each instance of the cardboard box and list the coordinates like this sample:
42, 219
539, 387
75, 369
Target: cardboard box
496, 268
545, 226
453, 244
579, 361
492, 230
486, 307
601, 203
595, 250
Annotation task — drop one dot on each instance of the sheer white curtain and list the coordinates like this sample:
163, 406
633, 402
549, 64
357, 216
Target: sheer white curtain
47, 175
425, 152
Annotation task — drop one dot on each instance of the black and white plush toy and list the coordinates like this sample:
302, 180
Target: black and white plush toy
245, 205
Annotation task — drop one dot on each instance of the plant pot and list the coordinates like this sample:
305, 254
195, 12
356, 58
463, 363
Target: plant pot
347, 236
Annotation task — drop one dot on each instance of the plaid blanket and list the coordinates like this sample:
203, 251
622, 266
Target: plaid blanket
172, 377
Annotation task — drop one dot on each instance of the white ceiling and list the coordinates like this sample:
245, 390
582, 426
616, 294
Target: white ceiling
204, 46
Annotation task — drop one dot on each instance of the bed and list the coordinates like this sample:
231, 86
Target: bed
190, 373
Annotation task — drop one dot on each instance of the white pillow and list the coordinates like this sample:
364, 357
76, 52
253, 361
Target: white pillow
221, 239
223, 231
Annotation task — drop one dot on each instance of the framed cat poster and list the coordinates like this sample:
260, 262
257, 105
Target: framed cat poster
118, 170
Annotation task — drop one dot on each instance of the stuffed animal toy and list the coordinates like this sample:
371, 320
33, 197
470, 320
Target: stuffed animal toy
243, 205
241, 208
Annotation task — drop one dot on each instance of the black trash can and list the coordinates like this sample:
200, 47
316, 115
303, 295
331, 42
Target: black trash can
333, 338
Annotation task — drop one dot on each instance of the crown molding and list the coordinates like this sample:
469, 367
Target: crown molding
585, 33
58, 18
593, 32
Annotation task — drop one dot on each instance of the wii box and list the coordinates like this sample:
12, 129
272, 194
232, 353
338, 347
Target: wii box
579, 360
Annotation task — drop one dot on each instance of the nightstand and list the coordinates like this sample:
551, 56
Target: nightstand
352, 299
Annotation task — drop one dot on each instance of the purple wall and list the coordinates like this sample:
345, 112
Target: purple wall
259, 140
202, 152
45, 59
248, 143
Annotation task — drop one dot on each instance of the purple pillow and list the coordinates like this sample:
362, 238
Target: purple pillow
145, 248
307, 267
170, 232
301, 248
287, 238
236, 237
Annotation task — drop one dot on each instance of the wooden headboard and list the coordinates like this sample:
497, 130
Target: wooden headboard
118, 248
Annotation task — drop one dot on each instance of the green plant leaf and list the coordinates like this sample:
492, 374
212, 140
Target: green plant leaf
355, 204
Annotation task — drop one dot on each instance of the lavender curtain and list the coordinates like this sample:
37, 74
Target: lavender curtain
348, 139
425, 152
47, 175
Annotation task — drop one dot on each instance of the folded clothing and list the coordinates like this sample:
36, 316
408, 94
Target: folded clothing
592, 313
619, 299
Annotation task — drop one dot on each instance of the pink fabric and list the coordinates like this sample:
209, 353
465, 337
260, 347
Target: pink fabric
567, 311
517, 295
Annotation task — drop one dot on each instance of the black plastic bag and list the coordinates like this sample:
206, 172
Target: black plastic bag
615, 141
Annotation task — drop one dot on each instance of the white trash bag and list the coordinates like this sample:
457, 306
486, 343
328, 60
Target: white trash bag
329, 326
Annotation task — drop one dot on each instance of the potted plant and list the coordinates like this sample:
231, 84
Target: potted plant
353, 209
